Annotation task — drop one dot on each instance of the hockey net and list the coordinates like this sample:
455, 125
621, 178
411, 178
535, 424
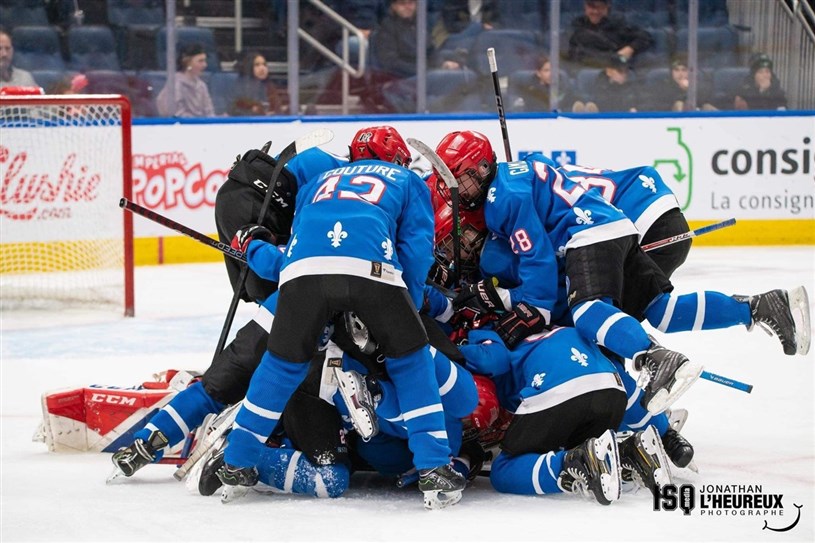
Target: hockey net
65, 161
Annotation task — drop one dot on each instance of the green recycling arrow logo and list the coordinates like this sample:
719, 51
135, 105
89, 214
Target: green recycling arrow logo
679, 174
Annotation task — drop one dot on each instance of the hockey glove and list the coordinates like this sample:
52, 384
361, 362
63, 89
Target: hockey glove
481, 297
440, 275
248, 233
523, 321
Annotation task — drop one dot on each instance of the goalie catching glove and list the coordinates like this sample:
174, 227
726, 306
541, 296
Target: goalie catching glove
520, 323
249, 233
481, 297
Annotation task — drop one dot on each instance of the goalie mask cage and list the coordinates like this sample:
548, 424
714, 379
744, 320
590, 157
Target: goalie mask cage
65, 161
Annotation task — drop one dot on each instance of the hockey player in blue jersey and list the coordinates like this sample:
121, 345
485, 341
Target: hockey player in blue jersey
362, 240
568, 401
556, 226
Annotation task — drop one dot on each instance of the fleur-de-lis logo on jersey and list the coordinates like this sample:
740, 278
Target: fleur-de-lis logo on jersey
561, 251
579, 357
583, 217
337, 235
291, 245
388, 246
537, 381
648, 183
491, 194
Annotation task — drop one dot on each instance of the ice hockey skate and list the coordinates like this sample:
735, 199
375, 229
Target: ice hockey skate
644, 461
237, 481
593, 469
129, 460
664, 376
785, 314
360, 403
441, 486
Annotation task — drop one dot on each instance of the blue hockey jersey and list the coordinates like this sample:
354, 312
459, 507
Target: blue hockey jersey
543, 213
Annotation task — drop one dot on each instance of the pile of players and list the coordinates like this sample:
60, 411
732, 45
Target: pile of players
434, 339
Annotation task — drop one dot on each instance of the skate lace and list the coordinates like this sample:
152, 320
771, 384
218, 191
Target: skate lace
580, 483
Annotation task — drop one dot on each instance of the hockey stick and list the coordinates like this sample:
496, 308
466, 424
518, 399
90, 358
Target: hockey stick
449, 180
499, 102
133, 207
727, 382
312, 139
687, 235
218, 426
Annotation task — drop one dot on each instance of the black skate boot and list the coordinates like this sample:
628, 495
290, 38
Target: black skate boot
677, 448
208, 482
643, 461
441, 486
776, 312
129, 460
664, 376
359, 393
237, 481
593, 469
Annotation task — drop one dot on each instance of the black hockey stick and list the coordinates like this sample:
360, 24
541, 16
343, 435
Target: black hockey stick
687, 235
133, 207
449, 180
499, 102
312, 139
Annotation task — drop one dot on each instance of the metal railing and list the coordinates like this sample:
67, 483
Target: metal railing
783, 33
343, 62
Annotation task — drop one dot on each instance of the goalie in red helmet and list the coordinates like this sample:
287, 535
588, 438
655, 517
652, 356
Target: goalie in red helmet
472, 161
380, 143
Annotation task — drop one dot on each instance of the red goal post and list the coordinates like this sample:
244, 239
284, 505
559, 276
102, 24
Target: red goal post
65, 161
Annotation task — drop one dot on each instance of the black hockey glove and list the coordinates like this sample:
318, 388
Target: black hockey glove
520, 323
440, 275
248, 233
481, 297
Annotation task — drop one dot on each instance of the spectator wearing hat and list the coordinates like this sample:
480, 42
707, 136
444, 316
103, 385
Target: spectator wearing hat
671, 93
615, 89
9, 75
192, 97
598, 33
761, 89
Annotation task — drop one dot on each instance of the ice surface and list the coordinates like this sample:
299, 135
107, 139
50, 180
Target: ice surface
765, 438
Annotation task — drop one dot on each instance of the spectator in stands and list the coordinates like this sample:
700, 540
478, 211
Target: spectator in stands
761, 89
461, 17
671, 93
614, 90
9, 75
192, 97
598, 33
254, 93
535, 96
393, 44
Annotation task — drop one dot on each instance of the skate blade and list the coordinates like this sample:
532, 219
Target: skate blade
362, 419
116, 474
685, 376
439, 499
799, 307
692, 466
653, 447
605, 449
230, 493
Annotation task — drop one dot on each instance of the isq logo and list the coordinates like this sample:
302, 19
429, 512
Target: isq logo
726, 501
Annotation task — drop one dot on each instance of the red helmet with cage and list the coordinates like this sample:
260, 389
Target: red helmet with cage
436, 198
470, 157
380, 143
473, 234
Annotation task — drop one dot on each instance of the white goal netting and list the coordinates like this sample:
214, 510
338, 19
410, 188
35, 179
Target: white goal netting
63, 237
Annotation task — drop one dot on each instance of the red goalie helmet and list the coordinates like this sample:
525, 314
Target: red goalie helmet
470, 157
473, 234
380, 143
